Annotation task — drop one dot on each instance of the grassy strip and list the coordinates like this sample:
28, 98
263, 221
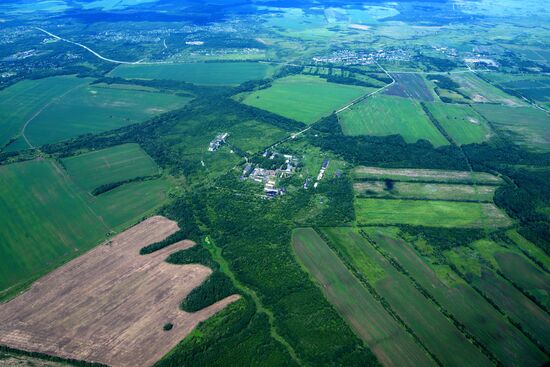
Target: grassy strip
47, 357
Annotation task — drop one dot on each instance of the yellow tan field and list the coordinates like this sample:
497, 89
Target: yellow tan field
110, 305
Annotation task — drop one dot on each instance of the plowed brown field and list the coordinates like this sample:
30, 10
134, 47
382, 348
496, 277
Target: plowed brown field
110, 304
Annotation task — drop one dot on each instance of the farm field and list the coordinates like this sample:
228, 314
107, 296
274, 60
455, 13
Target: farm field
482, 92
210, 73
391, 343
123, 162
425, 175
90, 109
303, 98
429, 213
138, 295
461, 122
410, 86
529, 248
481, 319
532, 86
126, 204
389, 115
516, 267
420, 190
525, 126
44, 219
434, 330
21, 101
502, 293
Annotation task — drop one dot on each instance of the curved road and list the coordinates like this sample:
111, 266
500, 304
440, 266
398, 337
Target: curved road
87, 48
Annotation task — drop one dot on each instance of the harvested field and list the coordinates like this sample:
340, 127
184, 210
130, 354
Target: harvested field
425, 175
110, 305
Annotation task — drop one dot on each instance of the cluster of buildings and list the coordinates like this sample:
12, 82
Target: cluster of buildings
320, 176
269, 177
217, 142
350, 57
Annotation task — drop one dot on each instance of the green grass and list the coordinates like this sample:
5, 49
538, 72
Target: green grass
530, 249
44, 219
211, 73
525, 126
127, 204
388, 115
391, 344
435, 331
252, 136
19, 102
89, 109
429, 213
469, 308
504, 295
420, 190
461, 122
480, 91
516, 267
425, 175
119, 163
303, 98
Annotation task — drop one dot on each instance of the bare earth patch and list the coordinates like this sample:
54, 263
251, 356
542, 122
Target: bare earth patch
110, 304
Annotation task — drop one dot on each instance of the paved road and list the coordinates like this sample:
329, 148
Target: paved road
87, 48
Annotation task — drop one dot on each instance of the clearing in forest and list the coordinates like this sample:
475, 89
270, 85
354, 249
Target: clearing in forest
370, 211
421, 190
425, 175
303, 98
388, 115
110, 305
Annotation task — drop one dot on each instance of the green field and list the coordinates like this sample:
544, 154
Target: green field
21, 101
388, 115
420, 190
504, 295
424, 175
480, 91
469, 308
429, 213
210, 73
525, 126
303, 98
253, 136
44, 219
435, 331
461, 122
89, 109
119, 163
516, 267
529, 248
390, 343
123, 206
